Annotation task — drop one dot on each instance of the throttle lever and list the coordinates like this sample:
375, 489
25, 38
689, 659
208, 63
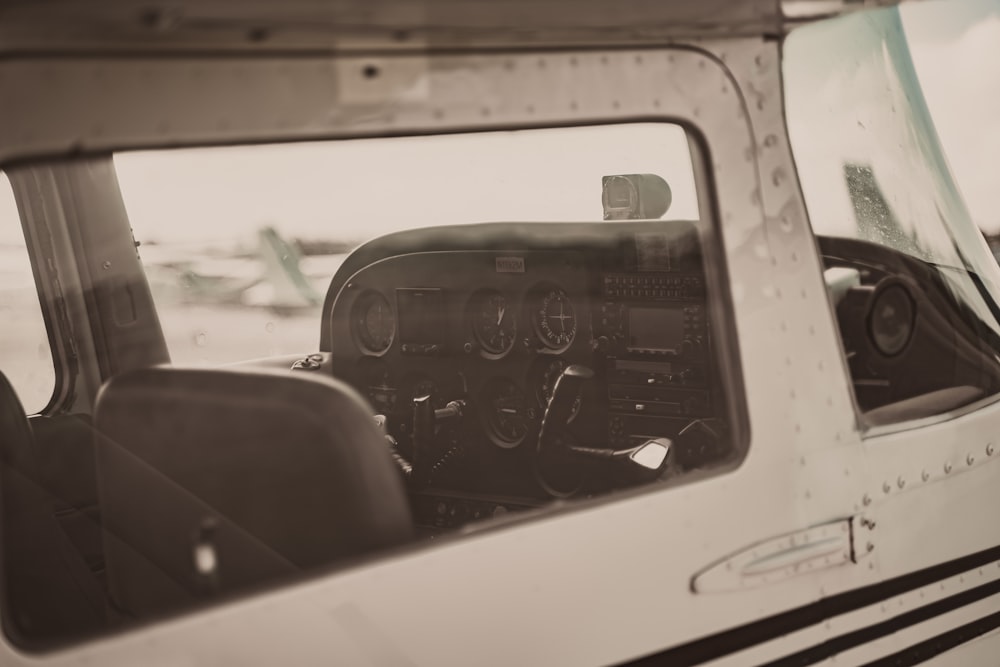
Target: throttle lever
405, 467
422, 435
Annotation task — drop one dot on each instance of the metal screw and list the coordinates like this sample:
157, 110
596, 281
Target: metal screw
900, 482
886, 487
989, 449
925, 475
106, 265
970, 459
870, 547
866, 500
947, 468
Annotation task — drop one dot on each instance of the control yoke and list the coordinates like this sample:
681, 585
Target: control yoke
552, 436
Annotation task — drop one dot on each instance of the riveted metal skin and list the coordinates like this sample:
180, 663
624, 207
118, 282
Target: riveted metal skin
554, 585
729, 94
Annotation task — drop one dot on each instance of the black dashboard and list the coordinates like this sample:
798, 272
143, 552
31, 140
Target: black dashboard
480, 323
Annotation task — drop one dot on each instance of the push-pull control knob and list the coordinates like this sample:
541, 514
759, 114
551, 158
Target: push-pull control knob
600, 344
693, 345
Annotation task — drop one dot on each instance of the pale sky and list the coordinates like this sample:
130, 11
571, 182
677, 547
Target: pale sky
956, 51
359, 189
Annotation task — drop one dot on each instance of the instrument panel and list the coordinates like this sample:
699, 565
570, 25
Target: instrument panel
486, 335
493, 331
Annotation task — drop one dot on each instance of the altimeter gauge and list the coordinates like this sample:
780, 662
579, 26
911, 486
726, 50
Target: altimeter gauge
493, 322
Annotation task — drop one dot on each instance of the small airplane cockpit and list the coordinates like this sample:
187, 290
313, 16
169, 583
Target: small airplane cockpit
512, 364
420, 332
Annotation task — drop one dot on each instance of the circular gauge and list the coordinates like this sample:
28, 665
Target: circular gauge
555, 319
505, 412
374, 322
493, 322
544, 380
891, 319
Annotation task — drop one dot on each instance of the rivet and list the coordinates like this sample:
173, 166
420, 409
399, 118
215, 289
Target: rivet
900, 482
925, 475
866, 500
886, 487
947, 468
970, 459
989, 449
106, 265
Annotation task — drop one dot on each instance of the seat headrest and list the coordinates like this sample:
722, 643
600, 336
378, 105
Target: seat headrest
291, 465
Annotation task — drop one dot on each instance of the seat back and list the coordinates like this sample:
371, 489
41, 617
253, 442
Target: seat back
212, 481
49, 592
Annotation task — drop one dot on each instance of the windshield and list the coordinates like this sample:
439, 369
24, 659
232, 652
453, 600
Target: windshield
859, 82
872, 169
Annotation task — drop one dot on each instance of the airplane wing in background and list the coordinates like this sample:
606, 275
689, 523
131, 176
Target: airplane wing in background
271, 278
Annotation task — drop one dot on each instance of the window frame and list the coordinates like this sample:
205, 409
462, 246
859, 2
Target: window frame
38, 244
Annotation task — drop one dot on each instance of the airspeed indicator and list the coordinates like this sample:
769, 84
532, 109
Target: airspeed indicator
374, 322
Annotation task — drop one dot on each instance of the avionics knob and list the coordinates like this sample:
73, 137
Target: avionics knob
692, 345
687, 347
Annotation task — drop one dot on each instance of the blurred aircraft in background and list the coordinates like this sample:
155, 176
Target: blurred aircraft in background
277, 275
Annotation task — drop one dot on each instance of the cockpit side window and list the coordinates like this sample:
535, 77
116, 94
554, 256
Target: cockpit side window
25, 355
910, 278
454, 328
